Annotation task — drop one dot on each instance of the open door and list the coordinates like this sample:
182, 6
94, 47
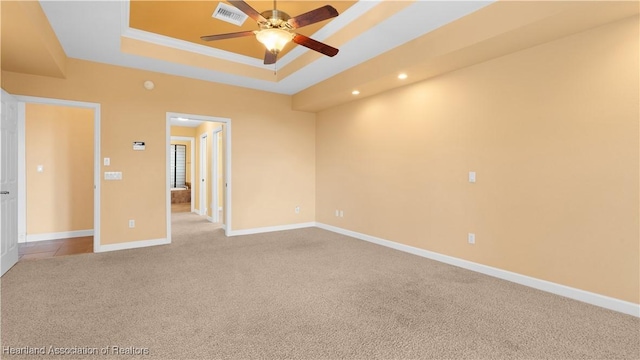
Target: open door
203, 175
8, 182
216, 178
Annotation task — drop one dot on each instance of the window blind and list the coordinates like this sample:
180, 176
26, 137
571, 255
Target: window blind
178, 166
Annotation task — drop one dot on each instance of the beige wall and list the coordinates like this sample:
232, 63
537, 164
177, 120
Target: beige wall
273, 150
552, 132
61, 140
185, 131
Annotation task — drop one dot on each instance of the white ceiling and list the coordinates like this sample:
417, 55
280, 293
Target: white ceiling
91, 30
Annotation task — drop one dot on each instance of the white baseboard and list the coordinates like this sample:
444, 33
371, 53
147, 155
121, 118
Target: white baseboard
58, 235
558, 289
132, 245
271, 229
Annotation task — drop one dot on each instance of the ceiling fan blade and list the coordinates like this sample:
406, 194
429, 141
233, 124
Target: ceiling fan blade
313, 16
315, 45
227, 35
245, 8
269, 57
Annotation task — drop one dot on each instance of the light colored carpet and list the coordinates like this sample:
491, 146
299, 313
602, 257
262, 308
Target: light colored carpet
302, 294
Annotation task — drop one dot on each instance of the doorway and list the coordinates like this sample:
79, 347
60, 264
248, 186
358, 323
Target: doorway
181, 170
210, 185
77, 233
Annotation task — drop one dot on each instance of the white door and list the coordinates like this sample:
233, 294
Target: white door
215, 183
203, 174
9, 182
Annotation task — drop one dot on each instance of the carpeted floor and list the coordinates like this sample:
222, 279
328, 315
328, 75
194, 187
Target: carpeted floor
302, 294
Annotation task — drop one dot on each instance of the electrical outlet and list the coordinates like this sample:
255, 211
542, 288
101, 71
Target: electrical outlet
132, 224
341, 213
297, 210
337, 212
471, 238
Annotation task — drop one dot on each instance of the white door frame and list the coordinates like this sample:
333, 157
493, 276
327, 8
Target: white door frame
227, 170
191, 139
202, 179
22, 194
215, 213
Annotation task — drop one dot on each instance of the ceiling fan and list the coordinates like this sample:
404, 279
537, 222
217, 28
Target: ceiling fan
276, 29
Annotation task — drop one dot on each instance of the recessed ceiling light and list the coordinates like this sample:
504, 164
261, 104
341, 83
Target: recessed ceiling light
355, 92
180, 119
402, 76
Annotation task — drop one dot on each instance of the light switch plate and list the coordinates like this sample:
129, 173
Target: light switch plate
472, 176
113, 175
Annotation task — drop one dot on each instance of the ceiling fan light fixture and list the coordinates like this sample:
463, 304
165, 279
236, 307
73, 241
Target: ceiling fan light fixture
277, 28
274, 39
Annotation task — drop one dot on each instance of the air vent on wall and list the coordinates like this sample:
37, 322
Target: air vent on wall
229, 14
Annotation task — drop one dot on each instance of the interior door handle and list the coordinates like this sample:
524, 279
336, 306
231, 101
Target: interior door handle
4, 192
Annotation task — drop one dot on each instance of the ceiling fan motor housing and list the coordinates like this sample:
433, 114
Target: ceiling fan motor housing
276, 19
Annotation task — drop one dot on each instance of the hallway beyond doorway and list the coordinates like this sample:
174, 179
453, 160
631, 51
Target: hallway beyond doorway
181, 207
